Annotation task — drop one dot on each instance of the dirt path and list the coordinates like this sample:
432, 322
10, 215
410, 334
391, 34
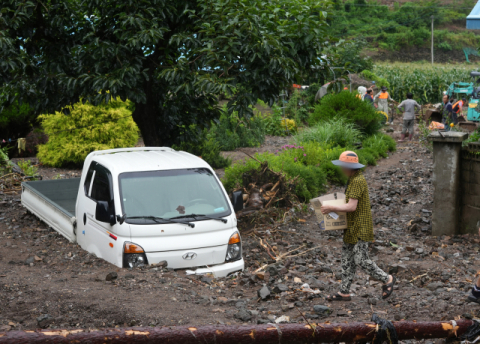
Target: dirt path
46, 281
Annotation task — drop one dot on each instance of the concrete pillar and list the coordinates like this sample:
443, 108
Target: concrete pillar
446, 181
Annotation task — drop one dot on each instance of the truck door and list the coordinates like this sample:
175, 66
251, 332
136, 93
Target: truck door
92, 235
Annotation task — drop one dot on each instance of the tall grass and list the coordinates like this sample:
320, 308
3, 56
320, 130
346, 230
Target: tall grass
335, 132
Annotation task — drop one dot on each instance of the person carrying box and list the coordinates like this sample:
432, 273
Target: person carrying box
359, 230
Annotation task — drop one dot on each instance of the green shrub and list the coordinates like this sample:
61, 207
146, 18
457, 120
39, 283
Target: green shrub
208, 150
380, 143
16, 121
310, 179
366, 157
273, 122
232, 132
334, 132
334, 174
345, 105
28, 168
87, 128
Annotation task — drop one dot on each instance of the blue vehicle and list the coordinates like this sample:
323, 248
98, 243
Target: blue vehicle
473, 113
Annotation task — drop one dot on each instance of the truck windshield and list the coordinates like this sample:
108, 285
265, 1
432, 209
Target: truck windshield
171, 194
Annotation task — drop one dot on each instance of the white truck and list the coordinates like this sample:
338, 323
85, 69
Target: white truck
140, 206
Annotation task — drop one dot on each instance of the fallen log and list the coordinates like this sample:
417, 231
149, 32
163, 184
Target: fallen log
259, 334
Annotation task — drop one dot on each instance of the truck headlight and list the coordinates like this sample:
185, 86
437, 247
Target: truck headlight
133, 256
234, 249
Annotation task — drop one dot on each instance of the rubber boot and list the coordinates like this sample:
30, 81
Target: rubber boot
410, 137
402, 138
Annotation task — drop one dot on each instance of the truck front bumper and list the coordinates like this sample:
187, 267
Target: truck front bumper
220, 270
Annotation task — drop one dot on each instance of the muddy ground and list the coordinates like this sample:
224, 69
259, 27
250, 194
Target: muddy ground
45, 281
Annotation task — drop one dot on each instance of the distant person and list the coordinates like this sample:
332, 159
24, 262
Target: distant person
362, 90
369, 97
383, 97
409, 105
359, 232
458, 107
448, 116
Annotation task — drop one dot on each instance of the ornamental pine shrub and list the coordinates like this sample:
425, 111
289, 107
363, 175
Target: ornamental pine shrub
87, 128
346, 106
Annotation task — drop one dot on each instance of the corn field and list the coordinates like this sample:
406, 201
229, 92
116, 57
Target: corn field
426, 82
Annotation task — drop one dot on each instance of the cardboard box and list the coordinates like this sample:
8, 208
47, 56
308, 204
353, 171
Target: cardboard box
327, 222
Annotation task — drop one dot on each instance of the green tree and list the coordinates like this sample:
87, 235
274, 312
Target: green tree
170, 58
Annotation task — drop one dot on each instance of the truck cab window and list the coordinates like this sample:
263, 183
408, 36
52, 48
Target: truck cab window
88, 179
101, 185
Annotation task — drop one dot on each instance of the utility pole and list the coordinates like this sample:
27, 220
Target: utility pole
432, 38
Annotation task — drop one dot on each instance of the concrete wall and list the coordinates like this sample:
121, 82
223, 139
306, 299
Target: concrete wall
469, 198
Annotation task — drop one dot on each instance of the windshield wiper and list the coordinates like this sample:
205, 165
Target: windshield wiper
200, 215
162, 220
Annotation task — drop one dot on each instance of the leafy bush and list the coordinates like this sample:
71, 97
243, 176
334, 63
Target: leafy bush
310, 179
232, 131
273, 122
28, 168
16, 121
345, 105
208, 150
289, 125
336, 132
380, 143
375, 147
334, 174
473, 137
87, 128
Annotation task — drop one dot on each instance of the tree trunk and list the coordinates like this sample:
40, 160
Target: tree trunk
147, 117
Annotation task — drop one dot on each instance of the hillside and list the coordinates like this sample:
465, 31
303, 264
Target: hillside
401, 30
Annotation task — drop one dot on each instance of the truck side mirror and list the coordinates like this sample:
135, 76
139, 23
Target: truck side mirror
102, 213
237, 200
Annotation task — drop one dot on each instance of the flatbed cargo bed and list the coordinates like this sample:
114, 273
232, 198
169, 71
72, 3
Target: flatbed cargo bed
53, 201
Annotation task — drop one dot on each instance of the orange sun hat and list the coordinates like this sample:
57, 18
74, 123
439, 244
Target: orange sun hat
348, 159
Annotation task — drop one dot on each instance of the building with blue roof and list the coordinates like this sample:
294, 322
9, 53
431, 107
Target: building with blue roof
473, 19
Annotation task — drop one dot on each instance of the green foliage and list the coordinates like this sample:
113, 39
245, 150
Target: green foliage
367, 74
172, 59
208, 150
3, 156
427, 83
380, 143
86, 129
335, 132
473, 137
28, 168
347, 53
334, 174
16, 120
273, 122
424, 131
345, 105
311, 180
401, 26
233, 131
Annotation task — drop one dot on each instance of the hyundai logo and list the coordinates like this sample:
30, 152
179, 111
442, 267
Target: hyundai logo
189, 256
